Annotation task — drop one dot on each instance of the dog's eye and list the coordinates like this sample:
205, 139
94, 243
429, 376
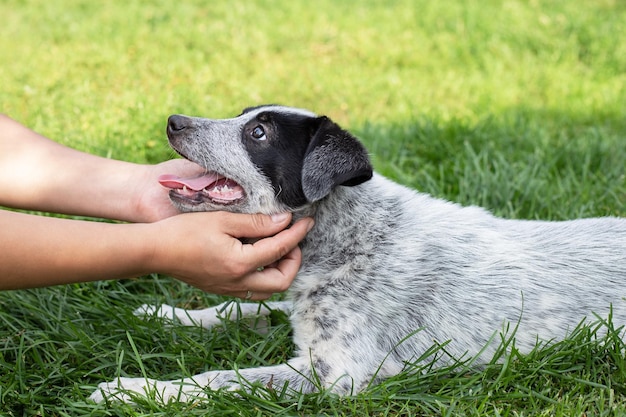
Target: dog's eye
258, 133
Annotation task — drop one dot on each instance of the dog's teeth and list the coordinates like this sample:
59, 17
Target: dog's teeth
184, 188
221, 189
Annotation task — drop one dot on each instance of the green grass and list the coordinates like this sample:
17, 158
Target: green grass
518, 106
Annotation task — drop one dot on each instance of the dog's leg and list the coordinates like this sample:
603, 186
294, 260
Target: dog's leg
337, 371
211, 316
297, 373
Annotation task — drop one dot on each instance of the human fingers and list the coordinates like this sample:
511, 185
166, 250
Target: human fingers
253, 225
266, 251
229, 263
264, 282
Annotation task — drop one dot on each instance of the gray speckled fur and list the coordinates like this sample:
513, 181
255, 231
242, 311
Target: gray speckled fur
384, 261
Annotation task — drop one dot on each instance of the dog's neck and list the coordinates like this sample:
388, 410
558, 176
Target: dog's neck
341, 196
307, 211
346, 211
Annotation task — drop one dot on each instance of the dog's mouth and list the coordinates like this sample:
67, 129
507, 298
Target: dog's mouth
208, 188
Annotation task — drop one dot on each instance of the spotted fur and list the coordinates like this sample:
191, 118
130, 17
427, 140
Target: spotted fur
388, 271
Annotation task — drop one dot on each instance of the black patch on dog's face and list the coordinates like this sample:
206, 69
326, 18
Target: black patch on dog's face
277, 144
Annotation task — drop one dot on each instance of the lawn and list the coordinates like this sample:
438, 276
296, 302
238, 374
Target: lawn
517, 106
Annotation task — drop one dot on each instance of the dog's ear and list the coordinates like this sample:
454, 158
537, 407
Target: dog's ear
334, 157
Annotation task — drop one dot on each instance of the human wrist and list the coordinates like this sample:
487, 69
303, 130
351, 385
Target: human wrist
137, 207
153, 243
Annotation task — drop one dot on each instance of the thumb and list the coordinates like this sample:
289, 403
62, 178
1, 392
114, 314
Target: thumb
254, 225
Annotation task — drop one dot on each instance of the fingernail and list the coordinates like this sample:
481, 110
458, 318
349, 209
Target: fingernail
310, 225
280, 217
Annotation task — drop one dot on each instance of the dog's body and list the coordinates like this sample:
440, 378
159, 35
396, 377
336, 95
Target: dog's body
387, 272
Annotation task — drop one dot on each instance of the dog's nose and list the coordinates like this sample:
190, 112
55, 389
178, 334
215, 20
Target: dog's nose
177, 123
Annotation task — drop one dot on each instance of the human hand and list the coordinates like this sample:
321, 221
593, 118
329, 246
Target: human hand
152, 202
203, 250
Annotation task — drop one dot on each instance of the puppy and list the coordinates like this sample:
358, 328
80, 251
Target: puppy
387, 272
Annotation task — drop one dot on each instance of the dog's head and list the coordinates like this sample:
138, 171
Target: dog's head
269, 159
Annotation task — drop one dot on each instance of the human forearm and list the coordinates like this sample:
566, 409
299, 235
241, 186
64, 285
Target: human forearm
201, 249
40, 174
38, 251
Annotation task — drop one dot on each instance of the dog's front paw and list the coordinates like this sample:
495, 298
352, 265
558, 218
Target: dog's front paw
125, 389
121, 389
204, 318
163, 311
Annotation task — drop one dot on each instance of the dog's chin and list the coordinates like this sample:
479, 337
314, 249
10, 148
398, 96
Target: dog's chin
186, 201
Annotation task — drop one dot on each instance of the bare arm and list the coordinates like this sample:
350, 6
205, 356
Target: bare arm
37, 173
198, 248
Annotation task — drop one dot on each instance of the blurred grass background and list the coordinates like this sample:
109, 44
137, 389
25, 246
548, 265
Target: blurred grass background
427, 85
70, 61
515, 105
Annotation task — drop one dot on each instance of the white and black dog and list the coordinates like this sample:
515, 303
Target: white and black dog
382, 261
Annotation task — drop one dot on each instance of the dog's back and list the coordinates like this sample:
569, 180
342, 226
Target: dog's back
384, 261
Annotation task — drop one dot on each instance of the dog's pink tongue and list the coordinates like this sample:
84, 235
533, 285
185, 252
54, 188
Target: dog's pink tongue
196, 184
